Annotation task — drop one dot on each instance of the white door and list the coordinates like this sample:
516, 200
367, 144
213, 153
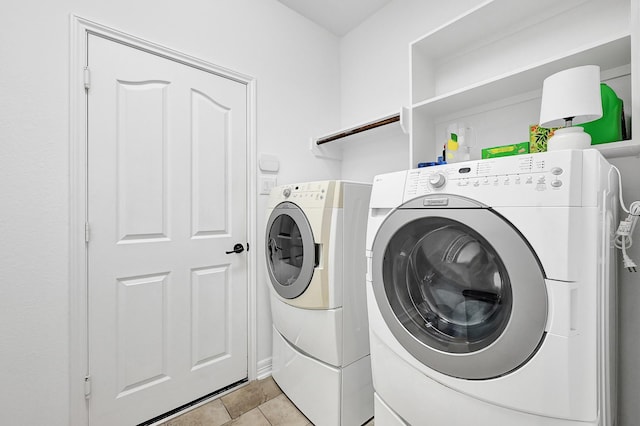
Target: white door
167, 192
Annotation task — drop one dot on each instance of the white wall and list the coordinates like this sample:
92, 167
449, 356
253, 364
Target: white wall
374, 63
375, 81
296, 65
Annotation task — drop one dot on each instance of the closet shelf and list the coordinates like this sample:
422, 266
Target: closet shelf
488, 22
612, 54
486, 68
627, 148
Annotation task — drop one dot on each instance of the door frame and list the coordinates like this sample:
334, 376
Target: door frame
80, 28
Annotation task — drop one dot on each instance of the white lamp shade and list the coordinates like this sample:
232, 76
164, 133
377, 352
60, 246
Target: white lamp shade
572, 93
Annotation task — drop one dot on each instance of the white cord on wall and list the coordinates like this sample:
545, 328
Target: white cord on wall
626, 227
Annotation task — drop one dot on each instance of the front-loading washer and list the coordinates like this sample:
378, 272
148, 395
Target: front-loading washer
315, 256
491, 292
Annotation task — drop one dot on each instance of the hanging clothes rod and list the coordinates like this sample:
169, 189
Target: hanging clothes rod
363, 128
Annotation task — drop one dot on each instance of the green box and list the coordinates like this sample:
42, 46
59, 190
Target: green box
505, 150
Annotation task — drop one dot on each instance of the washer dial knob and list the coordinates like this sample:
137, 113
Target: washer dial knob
286, 192
437, 180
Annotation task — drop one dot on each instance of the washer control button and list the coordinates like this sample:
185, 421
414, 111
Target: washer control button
286, 192
437, 180
556, 183
556, 171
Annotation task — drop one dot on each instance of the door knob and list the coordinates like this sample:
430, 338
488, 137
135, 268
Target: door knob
238, 248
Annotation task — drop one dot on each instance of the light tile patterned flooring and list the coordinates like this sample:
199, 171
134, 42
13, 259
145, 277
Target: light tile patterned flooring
259, 403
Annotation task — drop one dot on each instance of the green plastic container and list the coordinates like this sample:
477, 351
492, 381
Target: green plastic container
609, 128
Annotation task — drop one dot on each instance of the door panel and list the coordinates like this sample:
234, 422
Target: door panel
210, 127
141, 166
142, 335
167, 195
210, 316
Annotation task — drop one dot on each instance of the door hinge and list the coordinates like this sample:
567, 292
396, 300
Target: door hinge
87, 78
87, 387
87, 231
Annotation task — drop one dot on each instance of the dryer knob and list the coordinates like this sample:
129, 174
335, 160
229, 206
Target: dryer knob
437, 180
286, 192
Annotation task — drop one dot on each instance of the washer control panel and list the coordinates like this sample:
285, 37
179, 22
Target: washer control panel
437, 180
544, 174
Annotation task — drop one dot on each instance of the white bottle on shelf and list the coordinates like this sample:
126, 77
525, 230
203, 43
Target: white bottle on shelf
459, 142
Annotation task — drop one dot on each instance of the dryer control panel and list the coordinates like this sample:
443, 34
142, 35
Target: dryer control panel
309, 194
552, 178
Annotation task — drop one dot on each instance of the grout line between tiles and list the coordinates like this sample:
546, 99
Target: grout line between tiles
264, 415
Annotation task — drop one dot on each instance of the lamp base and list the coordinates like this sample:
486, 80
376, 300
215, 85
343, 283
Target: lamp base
569, 138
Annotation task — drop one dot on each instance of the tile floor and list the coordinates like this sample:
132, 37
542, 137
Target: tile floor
259, 403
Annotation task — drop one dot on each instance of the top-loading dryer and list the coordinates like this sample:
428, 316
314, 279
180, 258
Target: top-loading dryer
314, 246
491, 292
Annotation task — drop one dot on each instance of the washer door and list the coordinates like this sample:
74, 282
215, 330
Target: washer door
460, 289
290, 250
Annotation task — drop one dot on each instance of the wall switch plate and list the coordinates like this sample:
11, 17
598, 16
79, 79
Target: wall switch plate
267, 183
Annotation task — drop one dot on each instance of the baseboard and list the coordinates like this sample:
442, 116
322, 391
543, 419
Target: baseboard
264, 368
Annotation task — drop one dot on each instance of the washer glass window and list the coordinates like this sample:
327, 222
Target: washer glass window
447, 285
285, 250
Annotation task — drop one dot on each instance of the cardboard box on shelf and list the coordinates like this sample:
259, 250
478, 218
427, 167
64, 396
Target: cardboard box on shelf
538, 137
504, 150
